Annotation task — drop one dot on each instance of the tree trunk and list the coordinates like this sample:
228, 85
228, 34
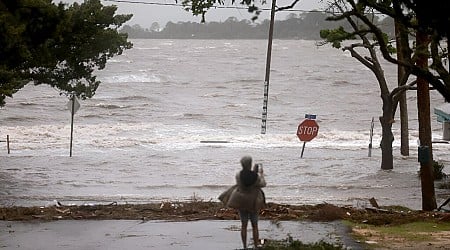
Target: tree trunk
401, 36
425, 147
387, 159
404, 126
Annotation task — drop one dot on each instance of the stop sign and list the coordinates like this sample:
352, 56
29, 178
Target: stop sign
307, 130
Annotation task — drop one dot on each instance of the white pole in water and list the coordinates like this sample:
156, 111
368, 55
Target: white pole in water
266, 80
71, 123
7, 142
371, 135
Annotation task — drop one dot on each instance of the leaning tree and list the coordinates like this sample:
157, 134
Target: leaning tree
365, 50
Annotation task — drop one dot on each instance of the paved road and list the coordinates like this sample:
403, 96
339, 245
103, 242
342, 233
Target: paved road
131, 234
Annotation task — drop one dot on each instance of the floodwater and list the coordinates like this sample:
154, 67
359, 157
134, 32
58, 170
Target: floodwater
172, 118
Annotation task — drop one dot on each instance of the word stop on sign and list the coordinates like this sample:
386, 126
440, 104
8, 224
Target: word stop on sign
307, 130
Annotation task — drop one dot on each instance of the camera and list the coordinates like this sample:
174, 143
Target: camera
257, 167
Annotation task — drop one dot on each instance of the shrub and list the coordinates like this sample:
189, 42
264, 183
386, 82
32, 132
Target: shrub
437, 171
290, 244
438, 174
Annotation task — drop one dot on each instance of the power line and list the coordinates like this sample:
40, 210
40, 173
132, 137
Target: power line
212, 7
147, 3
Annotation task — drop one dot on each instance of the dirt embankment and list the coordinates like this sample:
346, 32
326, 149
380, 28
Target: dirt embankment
186, 211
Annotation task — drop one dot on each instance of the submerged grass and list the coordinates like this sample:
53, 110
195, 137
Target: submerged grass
415, 231
418, 232
290, 244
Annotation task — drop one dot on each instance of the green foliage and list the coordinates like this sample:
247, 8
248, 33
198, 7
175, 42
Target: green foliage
57, 45
22, 35
200, 7
389, 46
290, 244
444, 185
336, 36
433, 16
437, 171
428, 18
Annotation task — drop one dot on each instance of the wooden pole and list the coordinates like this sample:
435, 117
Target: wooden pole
266, 80
423, 108
7, 143
401, 37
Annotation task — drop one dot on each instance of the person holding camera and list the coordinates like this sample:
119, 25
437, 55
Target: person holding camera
247, 197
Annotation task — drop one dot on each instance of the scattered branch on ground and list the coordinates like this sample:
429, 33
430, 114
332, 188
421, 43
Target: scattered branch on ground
208, 210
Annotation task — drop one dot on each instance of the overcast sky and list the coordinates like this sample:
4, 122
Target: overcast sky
145, 12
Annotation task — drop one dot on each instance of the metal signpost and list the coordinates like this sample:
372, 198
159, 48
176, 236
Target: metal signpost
73, 106
307, 130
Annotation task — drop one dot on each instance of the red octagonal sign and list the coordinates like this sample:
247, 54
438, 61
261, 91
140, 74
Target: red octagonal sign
307, 130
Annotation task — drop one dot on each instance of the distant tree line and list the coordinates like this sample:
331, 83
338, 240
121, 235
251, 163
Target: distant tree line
304, 26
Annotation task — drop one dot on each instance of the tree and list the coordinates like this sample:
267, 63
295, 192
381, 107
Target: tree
430, 18
155, 27
429, 22
413, 63
370, 60
291, 16
61, 46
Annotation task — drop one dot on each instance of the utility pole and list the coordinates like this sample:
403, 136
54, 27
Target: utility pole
401, 37
425, 150
266, 79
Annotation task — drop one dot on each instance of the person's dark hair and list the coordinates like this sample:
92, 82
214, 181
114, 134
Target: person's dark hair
247, 176
246, 162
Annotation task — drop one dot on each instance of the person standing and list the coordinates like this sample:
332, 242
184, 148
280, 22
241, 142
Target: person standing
248, 198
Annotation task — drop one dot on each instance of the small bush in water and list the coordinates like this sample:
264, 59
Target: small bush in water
290, 244
438, 174
437, 171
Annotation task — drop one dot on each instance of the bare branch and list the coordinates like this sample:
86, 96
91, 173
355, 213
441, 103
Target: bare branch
395, 94
288, 6
358, 57
437, 62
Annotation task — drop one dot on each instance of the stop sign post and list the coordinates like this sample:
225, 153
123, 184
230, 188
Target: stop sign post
307, 130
